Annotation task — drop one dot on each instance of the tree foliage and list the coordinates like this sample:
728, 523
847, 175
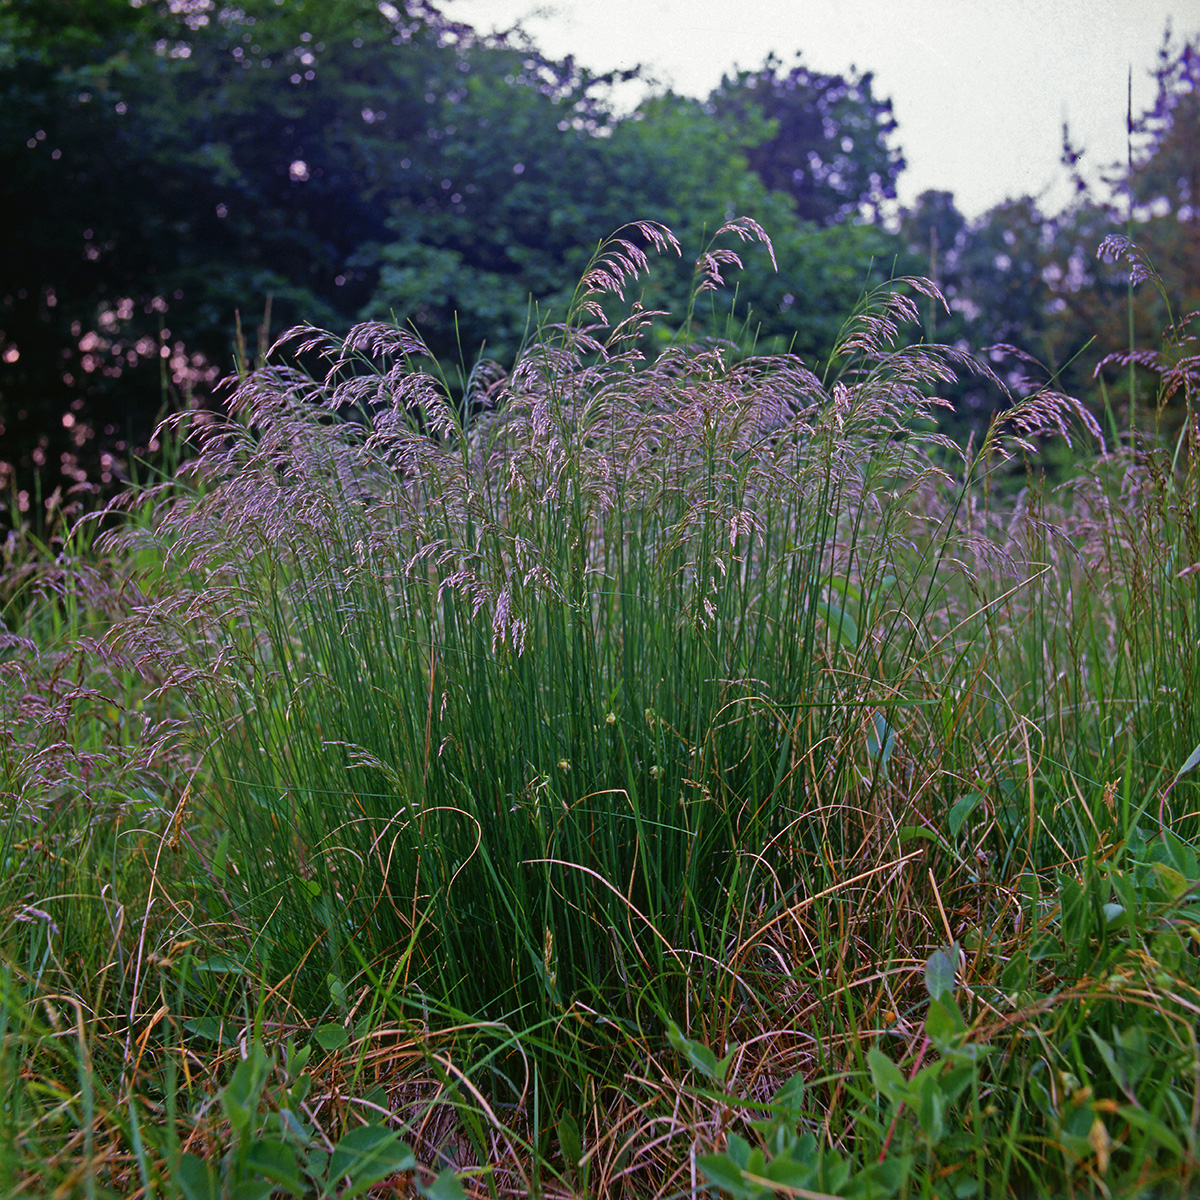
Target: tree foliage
173, 166
1128, 307
176, 163
829, 144
1021, 277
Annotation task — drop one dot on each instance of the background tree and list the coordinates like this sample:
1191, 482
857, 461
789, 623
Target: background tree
934, 234
176, 163
502, 206
1080, 311
77, 186
830, 146
184, 161
525, 235
1162, 191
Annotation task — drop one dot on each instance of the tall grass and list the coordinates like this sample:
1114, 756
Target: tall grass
636, 764
535, 694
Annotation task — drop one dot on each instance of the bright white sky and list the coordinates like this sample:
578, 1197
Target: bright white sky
980, 88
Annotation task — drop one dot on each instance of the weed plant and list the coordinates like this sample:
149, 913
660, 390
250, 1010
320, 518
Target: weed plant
634, 775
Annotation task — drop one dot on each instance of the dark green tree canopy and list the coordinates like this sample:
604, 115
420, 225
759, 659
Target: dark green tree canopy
171, 163
830, 146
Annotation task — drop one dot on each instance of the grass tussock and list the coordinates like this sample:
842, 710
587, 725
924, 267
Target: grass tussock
631, 774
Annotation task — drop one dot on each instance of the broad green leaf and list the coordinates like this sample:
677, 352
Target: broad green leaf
906, 833
317, 1163
239, 1098
931, 1106
1173, 882
569, 1140
782, 1141
1182, 854
756, 1163
1042, 1098
721, 1170
738, 1149
940, 969
445, 1187
222, 964
835, 1171
253, 1189
697, 1053
296, 1059
291, 1123
197, 1179
220, 858
791, 1095
1110, 1061
1016, 973
725, 1063
892, 1174
332, 1036
277, 1161
1190, 763
840, 622
881, 737
1127, 890
237, 1113
790, 1172
211, 1029
1044, 948
944, 1023
1135, 1053
960, 810
844, 588
337, 992
1139, 1118
955, 1082
887, 1077
366, 1155
970, 1052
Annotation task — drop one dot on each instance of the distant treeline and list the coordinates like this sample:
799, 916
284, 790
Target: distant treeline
176, 170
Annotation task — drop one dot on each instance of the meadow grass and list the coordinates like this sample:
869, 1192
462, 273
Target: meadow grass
623, 777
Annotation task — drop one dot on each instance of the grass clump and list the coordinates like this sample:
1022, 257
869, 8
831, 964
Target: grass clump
637, 775
524, 696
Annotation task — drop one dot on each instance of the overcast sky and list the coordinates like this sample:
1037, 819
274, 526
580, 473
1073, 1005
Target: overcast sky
980, 87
